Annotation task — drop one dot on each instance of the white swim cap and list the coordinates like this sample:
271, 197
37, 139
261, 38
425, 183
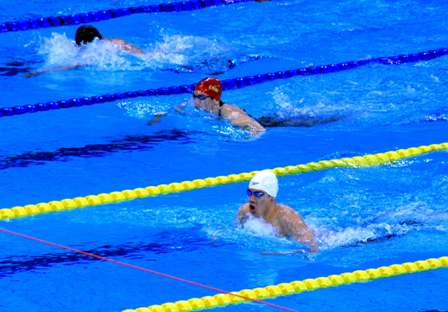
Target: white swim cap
266, 181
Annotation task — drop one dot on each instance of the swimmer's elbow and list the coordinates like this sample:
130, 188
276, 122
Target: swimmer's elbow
254, 130
256, 133
314, 247
239, 223
309, 241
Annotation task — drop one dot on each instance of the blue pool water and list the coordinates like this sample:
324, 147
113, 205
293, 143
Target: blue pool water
401, 208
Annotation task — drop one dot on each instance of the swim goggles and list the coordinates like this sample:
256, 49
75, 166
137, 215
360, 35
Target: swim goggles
200, 96
257, 194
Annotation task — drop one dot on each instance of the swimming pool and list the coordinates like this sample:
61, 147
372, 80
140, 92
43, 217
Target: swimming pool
400, 209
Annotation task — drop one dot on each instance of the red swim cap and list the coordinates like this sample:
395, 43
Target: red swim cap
211, 87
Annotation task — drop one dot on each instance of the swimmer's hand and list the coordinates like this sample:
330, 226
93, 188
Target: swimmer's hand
180, 108
33, 73
314, 249
310, 249
285, 252
254, 130
156, 118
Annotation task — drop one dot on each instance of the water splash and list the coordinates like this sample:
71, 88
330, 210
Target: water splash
386, 225
58, 50
286, 108
188, 54
175, 53
259, 227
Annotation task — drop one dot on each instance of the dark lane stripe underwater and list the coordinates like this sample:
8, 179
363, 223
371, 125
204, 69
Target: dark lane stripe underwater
127, 143
173, 241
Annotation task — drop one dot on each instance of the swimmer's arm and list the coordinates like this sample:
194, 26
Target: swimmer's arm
53, 69
126, 46
297, 229
247, 123
156, 118
284, 252
240, 119
180, 108
159, 115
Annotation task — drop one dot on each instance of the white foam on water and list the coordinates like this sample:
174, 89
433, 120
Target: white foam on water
259, 227
176, 52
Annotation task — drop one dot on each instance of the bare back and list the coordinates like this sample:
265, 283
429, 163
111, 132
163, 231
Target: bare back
291, 224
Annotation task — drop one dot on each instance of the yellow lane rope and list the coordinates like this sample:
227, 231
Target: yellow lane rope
115, 197
286, 289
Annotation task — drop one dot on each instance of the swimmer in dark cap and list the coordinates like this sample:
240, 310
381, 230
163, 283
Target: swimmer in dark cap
84, 35
87, 33
207, 97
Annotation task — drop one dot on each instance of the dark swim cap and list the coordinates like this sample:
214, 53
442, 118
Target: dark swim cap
86, 34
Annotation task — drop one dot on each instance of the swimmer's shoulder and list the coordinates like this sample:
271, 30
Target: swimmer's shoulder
126, 46
116, 40
288, 212
285, 208
228, 109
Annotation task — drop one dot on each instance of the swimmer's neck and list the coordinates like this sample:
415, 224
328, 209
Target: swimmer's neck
215, 110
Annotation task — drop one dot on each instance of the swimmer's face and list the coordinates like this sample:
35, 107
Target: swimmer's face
258, 201
203, 101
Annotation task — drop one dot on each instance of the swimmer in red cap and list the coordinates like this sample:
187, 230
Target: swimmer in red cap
207, 97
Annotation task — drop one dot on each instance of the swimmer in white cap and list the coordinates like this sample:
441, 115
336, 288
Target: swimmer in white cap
262, 193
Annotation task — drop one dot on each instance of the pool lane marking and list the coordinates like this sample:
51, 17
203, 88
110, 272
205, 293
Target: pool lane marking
297, 287
227, 84
136, 267
106, 14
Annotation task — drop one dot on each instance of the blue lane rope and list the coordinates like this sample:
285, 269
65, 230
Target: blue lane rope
228, 84
82, 18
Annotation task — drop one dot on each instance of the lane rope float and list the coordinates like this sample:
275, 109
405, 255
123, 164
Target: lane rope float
176, 187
